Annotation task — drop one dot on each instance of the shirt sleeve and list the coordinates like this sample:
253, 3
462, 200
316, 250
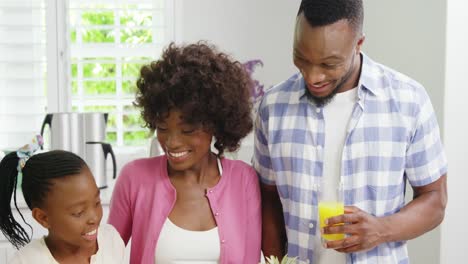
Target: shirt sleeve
35, 251
261, 160
425, 157
114, 244
15, 259
120, 212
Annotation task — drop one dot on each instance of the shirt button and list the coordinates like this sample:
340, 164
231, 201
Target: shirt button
210, 191
318, 110
311, 225
223, 241
216, 214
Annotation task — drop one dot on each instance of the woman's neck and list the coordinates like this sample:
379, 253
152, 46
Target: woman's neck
204, 173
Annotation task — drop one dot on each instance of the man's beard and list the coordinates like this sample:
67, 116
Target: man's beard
323, 101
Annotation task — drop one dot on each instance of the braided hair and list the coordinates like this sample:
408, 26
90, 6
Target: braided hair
38, 173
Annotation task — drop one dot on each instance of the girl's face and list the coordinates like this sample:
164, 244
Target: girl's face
73, 211
187, 147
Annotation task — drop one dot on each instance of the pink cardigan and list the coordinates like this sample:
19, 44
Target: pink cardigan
143, 197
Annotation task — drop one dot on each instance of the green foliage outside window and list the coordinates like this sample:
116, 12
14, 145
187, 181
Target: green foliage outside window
97, 18
111, 137
131, 69
97, 27
136, 137
99, 75
128, 87
133, 120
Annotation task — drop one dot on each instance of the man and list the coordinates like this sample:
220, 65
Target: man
345, 120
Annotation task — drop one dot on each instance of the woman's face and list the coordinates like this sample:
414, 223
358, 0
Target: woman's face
73, 211
187, 146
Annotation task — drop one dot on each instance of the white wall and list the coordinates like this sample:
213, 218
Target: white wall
454, 248
260, 29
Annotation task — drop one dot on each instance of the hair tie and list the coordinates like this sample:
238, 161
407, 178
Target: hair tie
27, 151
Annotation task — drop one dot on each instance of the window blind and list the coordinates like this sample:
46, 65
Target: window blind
84, 55
22, 70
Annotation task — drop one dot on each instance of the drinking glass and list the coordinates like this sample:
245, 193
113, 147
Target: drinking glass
330, 203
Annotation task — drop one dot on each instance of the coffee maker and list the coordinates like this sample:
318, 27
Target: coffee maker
84, 135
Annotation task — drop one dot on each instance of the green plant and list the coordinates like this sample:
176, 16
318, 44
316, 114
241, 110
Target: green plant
285, 260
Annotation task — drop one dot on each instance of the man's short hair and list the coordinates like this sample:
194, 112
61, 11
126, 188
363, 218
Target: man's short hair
326, 12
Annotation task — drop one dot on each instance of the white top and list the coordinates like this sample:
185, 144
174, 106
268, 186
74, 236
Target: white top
111, 250
180, 246
337, 114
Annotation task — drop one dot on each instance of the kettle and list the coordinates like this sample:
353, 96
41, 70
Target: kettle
82, 134
95, 126
95, 149
71, 131
96, 155
66, 132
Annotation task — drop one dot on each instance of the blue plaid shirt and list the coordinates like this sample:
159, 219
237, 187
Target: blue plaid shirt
393, 136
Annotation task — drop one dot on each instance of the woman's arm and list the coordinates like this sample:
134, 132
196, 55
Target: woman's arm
254, 220
120, 215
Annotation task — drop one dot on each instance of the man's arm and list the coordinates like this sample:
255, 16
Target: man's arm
424, 213
273, 229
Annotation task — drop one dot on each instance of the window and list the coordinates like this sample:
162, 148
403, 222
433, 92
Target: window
109, 41
77, 55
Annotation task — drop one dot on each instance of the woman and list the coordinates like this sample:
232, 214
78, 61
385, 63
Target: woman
191, 204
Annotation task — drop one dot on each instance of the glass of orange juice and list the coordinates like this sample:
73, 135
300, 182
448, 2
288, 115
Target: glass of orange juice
330, 203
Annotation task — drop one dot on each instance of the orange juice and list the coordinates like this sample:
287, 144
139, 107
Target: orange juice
327, 210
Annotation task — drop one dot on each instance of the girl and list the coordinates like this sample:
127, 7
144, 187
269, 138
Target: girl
63, 197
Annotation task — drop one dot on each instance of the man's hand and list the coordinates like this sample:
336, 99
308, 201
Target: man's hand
364, 231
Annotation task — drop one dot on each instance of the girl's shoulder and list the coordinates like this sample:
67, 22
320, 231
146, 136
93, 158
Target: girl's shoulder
35, 251
108, 232
111, 245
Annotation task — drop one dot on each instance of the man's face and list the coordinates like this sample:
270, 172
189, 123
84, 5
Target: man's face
327, 57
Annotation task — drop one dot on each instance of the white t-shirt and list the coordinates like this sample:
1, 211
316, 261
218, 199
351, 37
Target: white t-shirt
337, 114
111, 249
180, 246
